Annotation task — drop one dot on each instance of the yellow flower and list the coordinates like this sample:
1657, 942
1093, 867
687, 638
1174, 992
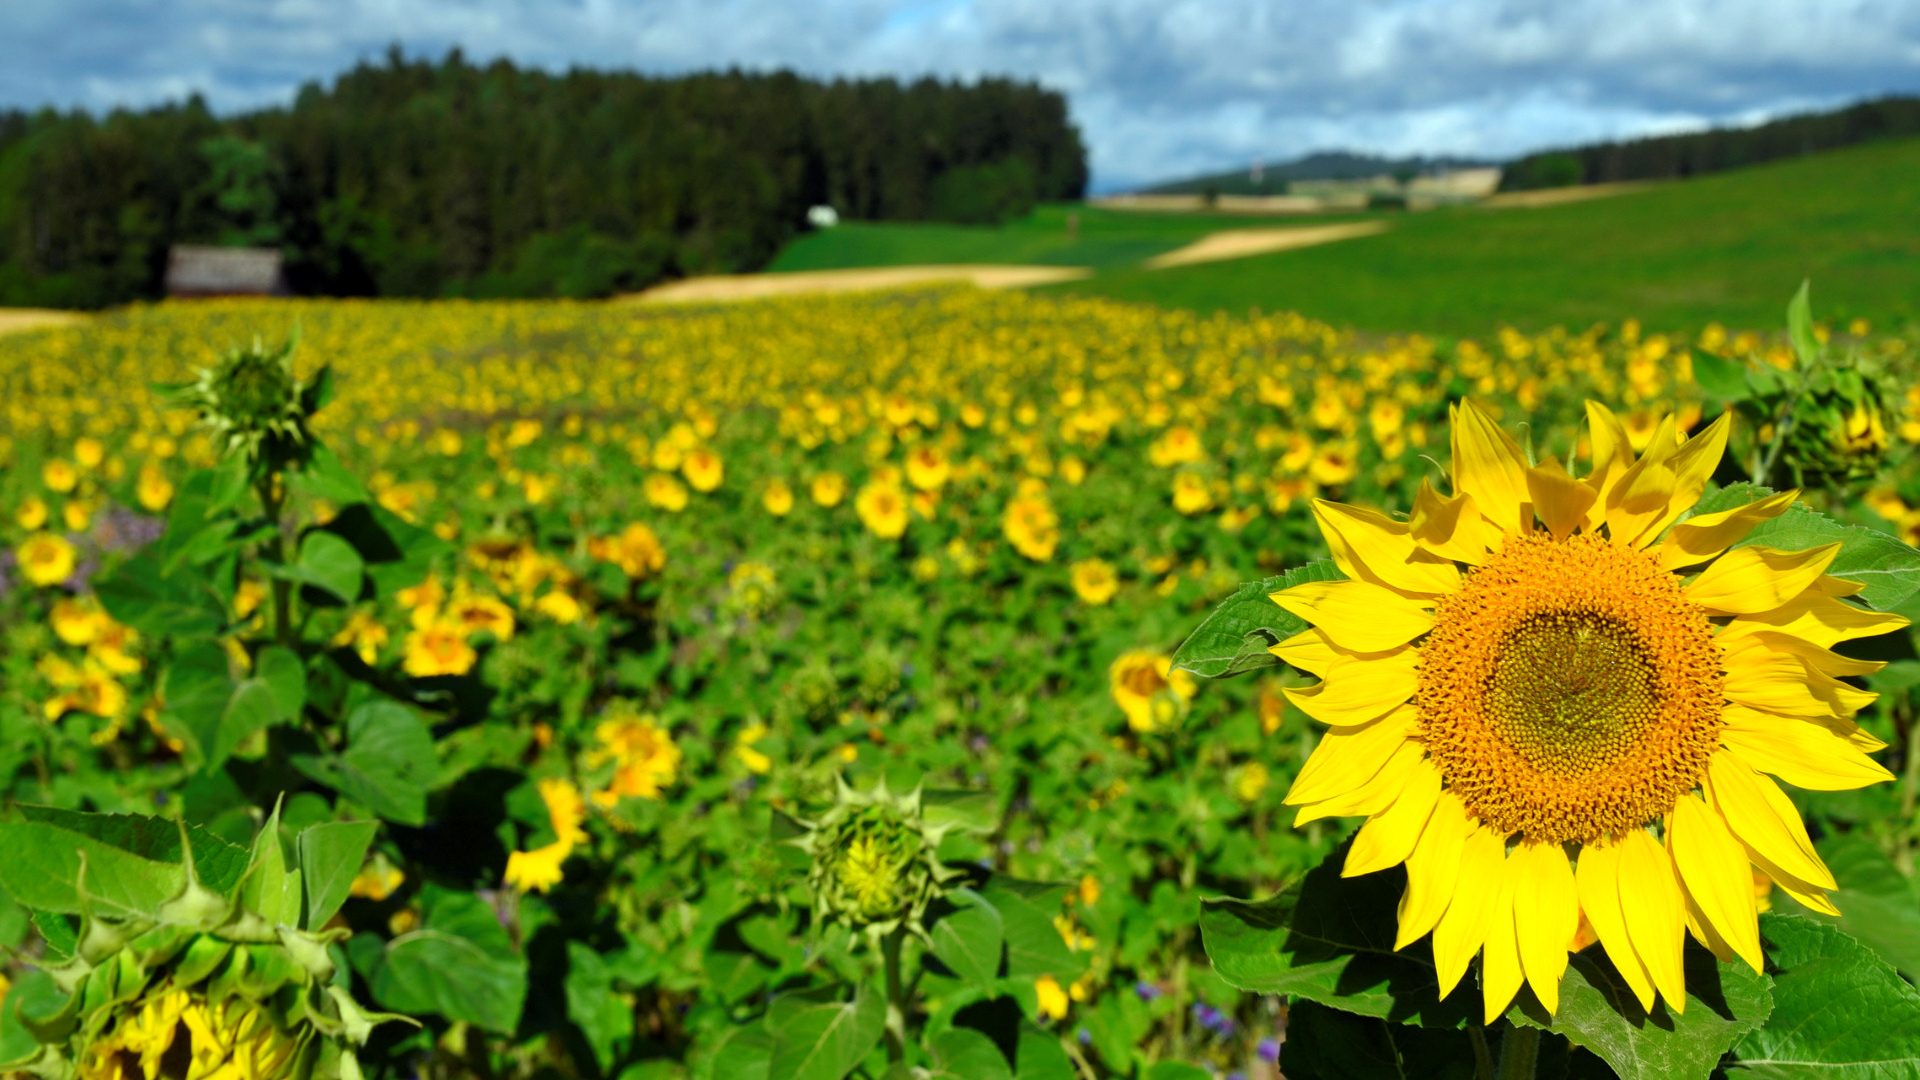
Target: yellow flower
377, 881
561, 606
439, 648
1031, 526
154, 491
643, 754
703, 469
1250, 781
743, 748
1052, 999
777, 499
1152, 696
666, 493
46, 559
636, 551
1191, 494
77, 514
883, 510
365, 635
75, 621
59, 476
828, 489
927, 469
89, 452
1179, 446
1094, 581
88, 688
32, 513
537, 870
112, 647
1526, 676
482, 614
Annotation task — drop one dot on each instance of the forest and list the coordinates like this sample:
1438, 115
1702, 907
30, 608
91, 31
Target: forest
1676, 157
411, 177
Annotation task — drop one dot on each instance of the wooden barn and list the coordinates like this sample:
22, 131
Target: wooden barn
195, 270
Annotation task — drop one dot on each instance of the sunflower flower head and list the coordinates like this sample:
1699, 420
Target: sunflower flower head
254, 404
1567, 701
875, 866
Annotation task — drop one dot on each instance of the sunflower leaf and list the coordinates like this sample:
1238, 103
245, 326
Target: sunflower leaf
1889, 569
1599, 1013
1235, 637
1839, 1010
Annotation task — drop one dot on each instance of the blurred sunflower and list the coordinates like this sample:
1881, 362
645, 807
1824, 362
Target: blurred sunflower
883, 509
1543, 718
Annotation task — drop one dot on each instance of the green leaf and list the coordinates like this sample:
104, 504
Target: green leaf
1800, 325
1720, 378
197, 688
1599, 1013
1235, 637
1726, 498
134, 864
330, 564
966, 1054
388, 766
1037, 1056
744, 1054
1879, 906
1839, 1011
817, 1037
324, 477
1034, 947
1175, 1070
397, 555
603, 1019
1330, 939
968, 811
330, 858
274, 694
460, 965
35, 994
968, 939
1334, 1045
1889, 569
269, 890
140, 594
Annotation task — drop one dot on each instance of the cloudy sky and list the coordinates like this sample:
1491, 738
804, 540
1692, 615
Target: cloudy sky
1161, 88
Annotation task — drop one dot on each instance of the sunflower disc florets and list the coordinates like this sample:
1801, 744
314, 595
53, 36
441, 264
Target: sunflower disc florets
876, 866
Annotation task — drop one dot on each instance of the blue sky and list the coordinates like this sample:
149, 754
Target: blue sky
1161, 88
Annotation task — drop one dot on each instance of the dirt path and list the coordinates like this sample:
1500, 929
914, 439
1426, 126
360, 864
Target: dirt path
13, 320
1240, 243
757, 286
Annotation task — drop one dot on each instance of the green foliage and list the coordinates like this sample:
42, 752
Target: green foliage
1839, 1010
1236, 637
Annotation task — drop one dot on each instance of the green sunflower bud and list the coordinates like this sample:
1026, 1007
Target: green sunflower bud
1840, 433
254, 403
876, 865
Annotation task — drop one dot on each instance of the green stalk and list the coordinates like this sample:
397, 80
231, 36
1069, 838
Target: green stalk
896, 998
272, 503
1519, 1053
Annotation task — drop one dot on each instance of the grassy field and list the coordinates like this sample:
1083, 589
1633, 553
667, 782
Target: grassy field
1105, 239
1729, 247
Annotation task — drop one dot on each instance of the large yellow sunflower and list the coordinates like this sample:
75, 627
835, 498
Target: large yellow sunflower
1551, 696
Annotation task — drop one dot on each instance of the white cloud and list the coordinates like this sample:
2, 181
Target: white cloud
1160, 87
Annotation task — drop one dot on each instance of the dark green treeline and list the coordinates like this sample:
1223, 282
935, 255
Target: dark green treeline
415, 178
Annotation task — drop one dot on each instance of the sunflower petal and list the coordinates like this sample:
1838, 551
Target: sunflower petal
1612, 457
1652, 908
1388, 838
1700, 538
1763, 818
1452, 528
1597, 878
1373, 796
1310, 650
1805, 755
1500, 970
1432, 869
1463, 928
1804, 893
1825, 661
1488, 465
1781, 682
1754, 579
1640, 498
1357, 691
1816, 618
1692, 465
1717, 876
1370, 546
1348, 757
1560, 501
1358, 615
1546, 913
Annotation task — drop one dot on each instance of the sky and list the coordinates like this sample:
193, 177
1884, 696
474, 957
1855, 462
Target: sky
1161, 89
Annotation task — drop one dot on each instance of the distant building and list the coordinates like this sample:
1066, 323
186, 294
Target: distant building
194, 270
823, 217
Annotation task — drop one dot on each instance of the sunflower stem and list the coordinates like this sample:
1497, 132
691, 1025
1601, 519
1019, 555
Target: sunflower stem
896, 997
1519, 1053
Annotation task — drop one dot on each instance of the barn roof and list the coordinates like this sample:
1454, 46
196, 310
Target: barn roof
194, 270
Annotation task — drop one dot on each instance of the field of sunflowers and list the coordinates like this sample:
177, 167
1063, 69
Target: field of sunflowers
868, 687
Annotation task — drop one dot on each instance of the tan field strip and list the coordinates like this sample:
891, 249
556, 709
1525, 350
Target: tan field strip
1240, 243
723, 287
13, 320
1521, 200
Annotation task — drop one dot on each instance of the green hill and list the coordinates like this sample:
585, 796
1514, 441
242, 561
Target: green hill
1728, 247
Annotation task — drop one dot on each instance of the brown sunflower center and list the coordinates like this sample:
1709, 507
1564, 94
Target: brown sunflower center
1568, 690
